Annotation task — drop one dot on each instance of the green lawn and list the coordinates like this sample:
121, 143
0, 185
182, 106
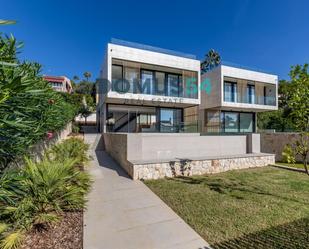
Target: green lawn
295, 165
255, 208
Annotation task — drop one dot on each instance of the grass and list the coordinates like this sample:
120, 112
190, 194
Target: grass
254, 208
295, 165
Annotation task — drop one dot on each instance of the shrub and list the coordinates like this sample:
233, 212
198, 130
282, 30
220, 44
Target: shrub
288, 155
72, 148
75, 128
29, 108
37, 194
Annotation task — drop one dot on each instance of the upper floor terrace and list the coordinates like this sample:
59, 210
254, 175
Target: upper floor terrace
155, 76
236, 88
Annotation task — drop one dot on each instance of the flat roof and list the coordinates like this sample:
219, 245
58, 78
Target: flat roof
151, 48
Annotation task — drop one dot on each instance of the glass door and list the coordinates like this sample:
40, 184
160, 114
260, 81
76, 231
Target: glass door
170, 120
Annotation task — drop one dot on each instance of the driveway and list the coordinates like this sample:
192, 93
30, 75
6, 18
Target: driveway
125, 214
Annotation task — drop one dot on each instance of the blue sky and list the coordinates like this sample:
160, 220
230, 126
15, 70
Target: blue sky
69, 37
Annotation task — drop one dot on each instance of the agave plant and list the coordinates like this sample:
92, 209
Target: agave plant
212, 59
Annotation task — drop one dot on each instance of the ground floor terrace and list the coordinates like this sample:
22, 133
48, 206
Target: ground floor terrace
127, 118
151, 119
159, 155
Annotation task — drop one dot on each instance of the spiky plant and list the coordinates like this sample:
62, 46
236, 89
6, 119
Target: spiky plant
37, 195
212, 59
70, 148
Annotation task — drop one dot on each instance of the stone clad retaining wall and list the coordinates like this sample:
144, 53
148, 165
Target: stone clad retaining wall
274, 143
199, 167
146, 163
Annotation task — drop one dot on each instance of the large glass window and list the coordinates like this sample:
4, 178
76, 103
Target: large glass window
173, 85
230, 122
250, 94
131, 75
237, 122
230, 92
246, 122
170, 120
147, 81
117, 76
160, 86
212, 121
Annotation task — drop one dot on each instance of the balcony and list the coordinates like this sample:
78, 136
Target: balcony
140, 78
248, 92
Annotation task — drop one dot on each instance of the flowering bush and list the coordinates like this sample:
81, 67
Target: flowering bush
29, 108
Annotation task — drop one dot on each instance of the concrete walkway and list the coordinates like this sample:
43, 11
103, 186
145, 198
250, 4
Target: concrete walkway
125, 214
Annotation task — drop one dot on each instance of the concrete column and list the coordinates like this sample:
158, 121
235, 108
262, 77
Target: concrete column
253, 143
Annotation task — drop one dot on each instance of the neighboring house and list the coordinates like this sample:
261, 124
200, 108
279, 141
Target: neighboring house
159, 117
59, 83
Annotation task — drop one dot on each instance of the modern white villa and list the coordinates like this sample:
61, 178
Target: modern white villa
161, 117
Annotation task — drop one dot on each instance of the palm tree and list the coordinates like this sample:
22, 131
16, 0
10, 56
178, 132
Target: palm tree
75, 78
212, 59
87, 75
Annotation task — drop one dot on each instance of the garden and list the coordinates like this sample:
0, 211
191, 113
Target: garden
41, 201
252, 208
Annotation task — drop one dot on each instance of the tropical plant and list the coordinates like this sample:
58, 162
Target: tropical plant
37, 194
87, 75
72, 148
212, 59
75, 78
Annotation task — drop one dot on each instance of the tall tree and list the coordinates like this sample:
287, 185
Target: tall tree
299, 105
299, 99
87, 75
75, 78
212, 59
279, 120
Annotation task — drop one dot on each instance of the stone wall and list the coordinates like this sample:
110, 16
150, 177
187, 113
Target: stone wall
274, 142
199, 167
128, 151
37, 151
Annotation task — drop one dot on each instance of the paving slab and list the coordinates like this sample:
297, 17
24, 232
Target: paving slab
126, 214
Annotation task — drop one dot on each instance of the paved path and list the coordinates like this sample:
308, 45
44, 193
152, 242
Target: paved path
125, 214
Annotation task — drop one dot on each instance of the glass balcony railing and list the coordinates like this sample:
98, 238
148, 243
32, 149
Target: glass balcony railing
253, 99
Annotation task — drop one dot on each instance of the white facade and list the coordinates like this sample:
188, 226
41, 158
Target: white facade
232, 101
153, 58
217, 76
166, 62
